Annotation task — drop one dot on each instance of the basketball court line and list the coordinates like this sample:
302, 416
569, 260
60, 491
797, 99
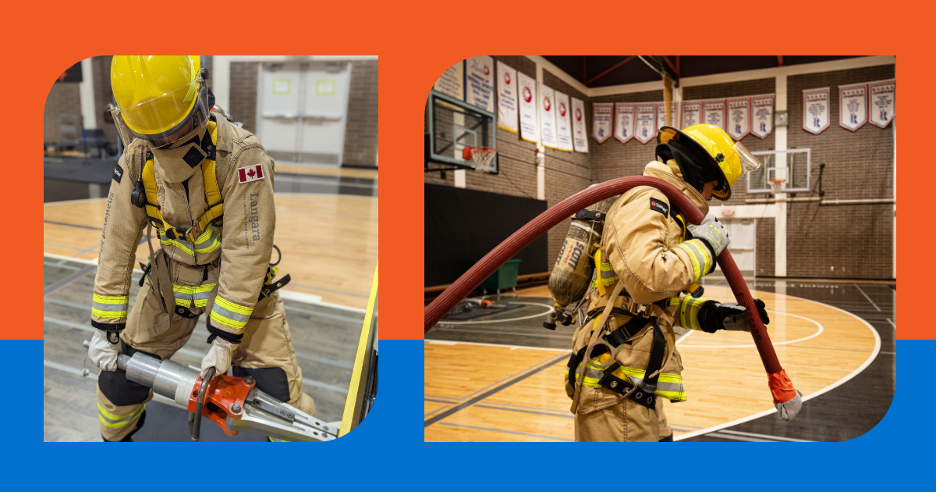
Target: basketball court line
719, 427
785, 342
284, 293
892, 323
536, 370
511, 347
71, 225
523, 334
501, 431
862, 367
749, 437
548, 311
866, 297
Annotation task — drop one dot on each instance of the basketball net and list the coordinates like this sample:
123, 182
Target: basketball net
483, 158
777, 185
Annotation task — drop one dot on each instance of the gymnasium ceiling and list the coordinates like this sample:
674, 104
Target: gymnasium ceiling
603, 71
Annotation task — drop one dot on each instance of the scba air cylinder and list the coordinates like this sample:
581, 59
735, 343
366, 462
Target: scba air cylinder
574, 268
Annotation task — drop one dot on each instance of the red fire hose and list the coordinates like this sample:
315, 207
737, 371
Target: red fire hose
781, 386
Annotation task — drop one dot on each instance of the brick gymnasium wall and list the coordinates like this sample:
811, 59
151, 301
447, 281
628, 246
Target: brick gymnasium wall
859, 165
516, 157
567, 173
751, 141
63, 99
103, 95
360, 146
612, 159
243, 94
842, 240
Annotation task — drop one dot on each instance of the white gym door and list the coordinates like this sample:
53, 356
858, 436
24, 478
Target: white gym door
302, 110
743, 245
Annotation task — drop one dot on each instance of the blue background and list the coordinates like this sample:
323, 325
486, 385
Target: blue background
387, 449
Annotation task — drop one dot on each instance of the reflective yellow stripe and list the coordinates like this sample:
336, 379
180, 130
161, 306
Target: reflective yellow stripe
665, 378
111, 299
109, 314
231, 315
117, 421
696, 263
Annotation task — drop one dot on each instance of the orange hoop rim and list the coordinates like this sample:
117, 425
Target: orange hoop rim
468, 152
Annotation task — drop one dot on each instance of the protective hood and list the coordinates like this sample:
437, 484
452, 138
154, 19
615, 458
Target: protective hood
662, 171
180, 161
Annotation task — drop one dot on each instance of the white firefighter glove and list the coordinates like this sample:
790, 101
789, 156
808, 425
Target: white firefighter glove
712, 232
788, 409
729, 316
103, 353
218, 356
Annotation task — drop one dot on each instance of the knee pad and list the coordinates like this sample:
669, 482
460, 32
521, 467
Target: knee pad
120, 390
270, 380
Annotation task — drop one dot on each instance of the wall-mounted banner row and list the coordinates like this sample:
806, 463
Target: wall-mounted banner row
858, 104
738, 116
871, 101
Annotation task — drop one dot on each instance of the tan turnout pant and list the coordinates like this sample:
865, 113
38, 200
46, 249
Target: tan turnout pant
266, 353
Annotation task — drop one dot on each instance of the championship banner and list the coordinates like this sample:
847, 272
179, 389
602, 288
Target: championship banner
661, 115
452, 82
563, 122
547, 113
691, 113
645, 118
579, 138
739, 117
526, 87
762, 108
853, 106
713, 112
601, 121
506, 98
816, 110
623, 121
883, 96
479, 76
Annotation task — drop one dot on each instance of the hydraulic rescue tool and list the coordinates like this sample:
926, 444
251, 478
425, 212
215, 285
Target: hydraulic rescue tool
785, 397
234, 404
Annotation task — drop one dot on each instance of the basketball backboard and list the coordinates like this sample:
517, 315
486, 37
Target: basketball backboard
452, 126
792, 165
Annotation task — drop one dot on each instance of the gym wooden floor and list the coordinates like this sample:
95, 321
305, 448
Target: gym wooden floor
329, 242
484, 383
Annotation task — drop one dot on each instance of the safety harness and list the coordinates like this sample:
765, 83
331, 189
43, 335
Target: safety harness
203, 238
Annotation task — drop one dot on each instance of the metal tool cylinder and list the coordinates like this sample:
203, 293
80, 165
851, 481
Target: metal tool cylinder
167, 378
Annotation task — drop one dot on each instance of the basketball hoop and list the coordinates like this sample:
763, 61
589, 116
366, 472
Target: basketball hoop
483, 157
776, 185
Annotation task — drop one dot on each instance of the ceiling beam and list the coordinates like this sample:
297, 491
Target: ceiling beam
674, 68
606, 72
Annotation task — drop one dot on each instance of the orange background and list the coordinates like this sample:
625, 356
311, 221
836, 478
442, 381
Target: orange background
43, 39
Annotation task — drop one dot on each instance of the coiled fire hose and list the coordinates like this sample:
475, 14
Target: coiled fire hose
785, 396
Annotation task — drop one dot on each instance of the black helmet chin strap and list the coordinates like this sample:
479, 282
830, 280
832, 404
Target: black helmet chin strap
693, 172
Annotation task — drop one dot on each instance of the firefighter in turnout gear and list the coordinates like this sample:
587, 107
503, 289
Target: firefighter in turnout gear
624, 360
205, 188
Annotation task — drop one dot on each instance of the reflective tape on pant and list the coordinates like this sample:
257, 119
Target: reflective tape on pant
669, 386
229, 314
110, 307
115, 421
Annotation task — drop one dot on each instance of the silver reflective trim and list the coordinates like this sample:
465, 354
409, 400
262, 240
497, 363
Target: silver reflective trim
208, 242
109, 307
703, 265
608, 273
231, 315
129, 417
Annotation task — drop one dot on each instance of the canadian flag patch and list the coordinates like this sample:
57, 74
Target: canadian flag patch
250, 173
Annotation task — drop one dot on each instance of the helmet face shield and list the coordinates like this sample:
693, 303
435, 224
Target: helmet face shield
177, 112
749, 162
